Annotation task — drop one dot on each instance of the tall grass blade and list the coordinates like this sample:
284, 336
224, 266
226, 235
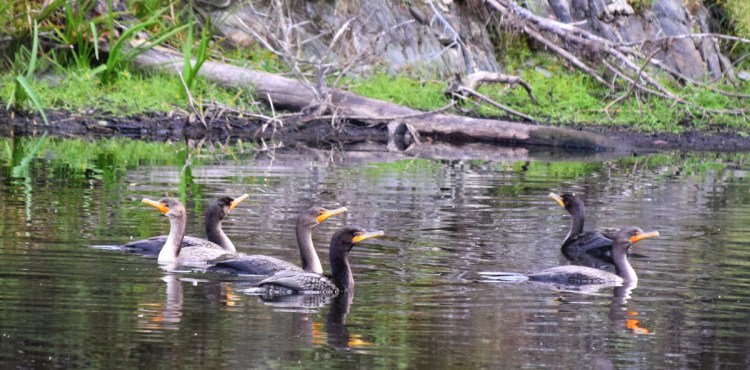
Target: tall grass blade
95, 39
26, 88
187, 50
34, 50
201, 55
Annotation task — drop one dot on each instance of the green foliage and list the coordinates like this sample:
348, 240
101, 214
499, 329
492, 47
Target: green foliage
78, 33
738, 12
190, 69
402, 90
22, 91
128, 94
733, 17
122, 52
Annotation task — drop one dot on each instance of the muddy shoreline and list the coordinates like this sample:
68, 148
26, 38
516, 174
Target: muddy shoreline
163, 126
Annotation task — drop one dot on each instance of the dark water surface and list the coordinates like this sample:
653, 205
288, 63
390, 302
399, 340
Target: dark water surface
66, 303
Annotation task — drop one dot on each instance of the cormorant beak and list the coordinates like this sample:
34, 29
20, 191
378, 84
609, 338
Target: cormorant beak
557, 199
363, 235
635, 238
161, 207
328, 213
237, 201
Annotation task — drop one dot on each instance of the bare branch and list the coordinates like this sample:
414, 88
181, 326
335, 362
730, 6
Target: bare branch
496, 104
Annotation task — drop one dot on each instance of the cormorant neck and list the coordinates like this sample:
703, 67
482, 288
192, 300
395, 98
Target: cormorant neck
171, 249
216, 235
310, 260
576, 227
622, 265
342, 273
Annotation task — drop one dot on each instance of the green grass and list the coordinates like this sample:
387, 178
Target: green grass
566, 98
129, 93
426, 95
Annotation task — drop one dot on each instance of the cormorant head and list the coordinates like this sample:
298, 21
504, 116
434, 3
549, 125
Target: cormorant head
345, 238
170, 207
630, 235
313, 216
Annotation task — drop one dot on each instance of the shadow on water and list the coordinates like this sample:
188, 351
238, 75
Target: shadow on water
66, 304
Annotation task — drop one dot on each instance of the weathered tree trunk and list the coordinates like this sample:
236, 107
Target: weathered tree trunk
294, 95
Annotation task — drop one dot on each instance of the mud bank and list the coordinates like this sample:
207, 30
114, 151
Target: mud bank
162, 126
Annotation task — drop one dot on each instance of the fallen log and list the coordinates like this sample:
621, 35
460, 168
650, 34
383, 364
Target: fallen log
290, 94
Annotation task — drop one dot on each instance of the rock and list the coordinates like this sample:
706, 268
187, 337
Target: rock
543, 72
407, 37
398, 34
619, 7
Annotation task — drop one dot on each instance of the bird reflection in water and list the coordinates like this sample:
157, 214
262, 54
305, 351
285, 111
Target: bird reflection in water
336, 334
163, 316
622, 318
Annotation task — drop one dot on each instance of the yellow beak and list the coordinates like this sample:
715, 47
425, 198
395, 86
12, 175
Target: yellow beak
237, 201
557, 199
367, 235
329, 213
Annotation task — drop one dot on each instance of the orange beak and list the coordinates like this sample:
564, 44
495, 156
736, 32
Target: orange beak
161, 207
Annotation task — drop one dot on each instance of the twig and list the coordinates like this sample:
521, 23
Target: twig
496, 104
566, 55
632, 86
474, 80
191, 101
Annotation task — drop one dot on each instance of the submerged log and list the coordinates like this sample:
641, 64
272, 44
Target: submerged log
293, 95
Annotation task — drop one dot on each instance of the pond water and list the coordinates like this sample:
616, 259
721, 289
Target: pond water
67, 301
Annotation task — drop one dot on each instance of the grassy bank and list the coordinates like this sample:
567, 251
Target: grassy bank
564, 98
567, 98
83, 79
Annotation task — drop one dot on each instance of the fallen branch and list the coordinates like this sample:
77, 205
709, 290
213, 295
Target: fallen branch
476, 79
495, 104
294, 95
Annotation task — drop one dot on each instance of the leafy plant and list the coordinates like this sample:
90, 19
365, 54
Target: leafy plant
22, 91
122, 51
78, 33
190, 69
